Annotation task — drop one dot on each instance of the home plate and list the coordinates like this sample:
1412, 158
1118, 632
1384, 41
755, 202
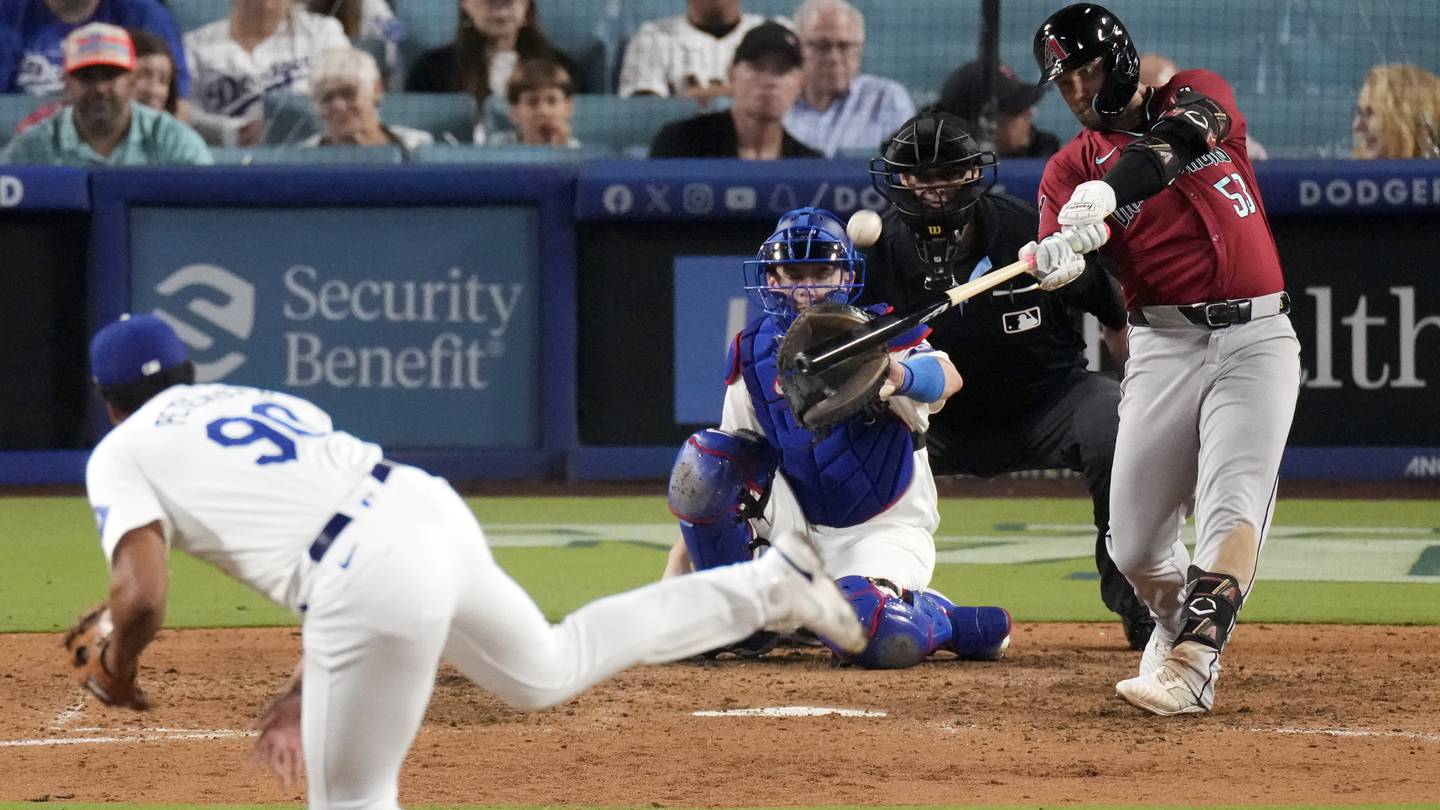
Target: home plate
790, 711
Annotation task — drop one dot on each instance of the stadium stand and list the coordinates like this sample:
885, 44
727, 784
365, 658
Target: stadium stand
333, 155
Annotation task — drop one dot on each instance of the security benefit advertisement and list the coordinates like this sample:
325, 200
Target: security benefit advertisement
411, 326
1366, 292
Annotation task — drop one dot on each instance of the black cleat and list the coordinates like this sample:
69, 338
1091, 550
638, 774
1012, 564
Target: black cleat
1138, 627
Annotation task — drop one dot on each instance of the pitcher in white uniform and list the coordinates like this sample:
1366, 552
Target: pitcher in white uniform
384, 563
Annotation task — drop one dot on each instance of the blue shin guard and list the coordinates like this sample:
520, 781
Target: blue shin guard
902, 629
977, 633
719, 481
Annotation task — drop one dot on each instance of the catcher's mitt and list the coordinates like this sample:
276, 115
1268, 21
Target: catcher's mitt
827, 398
86, 644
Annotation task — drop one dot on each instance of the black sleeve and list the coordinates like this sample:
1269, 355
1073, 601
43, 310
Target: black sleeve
433, 73
1151, 162
670, 142
1097, 293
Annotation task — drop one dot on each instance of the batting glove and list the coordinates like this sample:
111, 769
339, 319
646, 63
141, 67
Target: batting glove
1090, 203
1053, 261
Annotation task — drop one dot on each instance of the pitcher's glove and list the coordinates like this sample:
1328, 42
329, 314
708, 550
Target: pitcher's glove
86, 643
824, 399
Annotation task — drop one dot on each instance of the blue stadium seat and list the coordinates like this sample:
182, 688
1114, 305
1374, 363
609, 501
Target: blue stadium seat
289, 118
440, 114
325, 155
452, 153
1303, 126
579, 30
428, 24
16, 107
192, 14
622, 122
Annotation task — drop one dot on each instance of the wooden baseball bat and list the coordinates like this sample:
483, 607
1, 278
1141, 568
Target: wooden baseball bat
885, 327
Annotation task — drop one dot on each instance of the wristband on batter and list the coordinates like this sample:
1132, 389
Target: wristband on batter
924, 379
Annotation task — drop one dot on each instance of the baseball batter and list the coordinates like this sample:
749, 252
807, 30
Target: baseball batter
384, 563
1214, 369
861, 489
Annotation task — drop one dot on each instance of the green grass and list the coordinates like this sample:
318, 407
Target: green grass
51, 566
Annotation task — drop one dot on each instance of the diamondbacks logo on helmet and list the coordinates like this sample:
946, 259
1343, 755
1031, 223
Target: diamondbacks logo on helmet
1056, 51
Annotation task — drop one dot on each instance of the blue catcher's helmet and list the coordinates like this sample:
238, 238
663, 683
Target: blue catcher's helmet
804, 242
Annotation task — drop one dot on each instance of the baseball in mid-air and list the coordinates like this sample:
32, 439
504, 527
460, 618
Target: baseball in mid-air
863, 228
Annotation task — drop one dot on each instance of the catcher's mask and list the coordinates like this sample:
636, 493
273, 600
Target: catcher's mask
933, 172
788, 274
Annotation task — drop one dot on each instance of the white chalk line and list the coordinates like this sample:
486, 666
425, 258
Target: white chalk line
789, 711
144, 735
1356, 732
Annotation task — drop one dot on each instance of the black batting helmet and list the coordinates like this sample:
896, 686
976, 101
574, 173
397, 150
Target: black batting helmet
1078, 34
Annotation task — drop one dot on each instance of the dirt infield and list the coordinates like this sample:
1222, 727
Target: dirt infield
1306, 714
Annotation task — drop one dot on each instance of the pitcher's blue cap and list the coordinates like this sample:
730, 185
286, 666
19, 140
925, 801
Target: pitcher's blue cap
133, 348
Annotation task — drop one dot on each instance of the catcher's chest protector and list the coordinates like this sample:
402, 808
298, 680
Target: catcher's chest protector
849, 475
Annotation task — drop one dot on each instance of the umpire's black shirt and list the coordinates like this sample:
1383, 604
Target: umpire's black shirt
1016, 345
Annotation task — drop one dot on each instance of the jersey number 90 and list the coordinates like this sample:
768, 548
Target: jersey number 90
272, 422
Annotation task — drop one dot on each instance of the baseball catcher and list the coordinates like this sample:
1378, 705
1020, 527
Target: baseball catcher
839, 456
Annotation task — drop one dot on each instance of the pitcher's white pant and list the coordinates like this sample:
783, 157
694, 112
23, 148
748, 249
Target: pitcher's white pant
1203, 412
411, 580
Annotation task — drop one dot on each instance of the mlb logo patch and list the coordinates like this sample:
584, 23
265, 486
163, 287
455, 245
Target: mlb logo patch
1022, 321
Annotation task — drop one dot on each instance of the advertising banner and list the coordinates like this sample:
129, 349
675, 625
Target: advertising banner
407, 323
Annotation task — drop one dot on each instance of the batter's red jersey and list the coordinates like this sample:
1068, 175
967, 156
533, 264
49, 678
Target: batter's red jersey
1204, 238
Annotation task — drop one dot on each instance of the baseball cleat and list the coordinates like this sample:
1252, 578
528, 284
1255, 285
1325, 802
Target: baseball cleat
1138, 626
1155, 652
1162, 692
811, 598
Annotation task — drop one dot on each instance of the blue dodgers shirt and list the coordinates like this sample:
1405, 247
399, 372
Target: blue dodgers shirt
38, 33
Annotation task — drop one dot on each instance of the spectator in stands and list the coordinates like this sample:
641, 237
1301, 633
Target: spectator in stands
9, 59
1156, 70
370, 22
688, 54
1397, 114
264, 48
104, 125
493, 35
157, 81
347, 89
765, 77
39, 27
1009, 126
541, 96
840, 107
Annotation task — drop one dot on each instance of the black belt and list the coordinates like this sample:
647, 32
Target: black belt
340, 520
1215, 314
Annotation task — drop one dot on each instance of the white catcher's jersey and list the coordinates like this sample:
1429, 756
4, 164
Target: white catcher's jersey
240, 477
226, 79
918, 506
665, 55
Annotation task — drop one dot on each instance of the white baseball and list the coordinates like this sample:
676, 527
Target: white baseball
864, 228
